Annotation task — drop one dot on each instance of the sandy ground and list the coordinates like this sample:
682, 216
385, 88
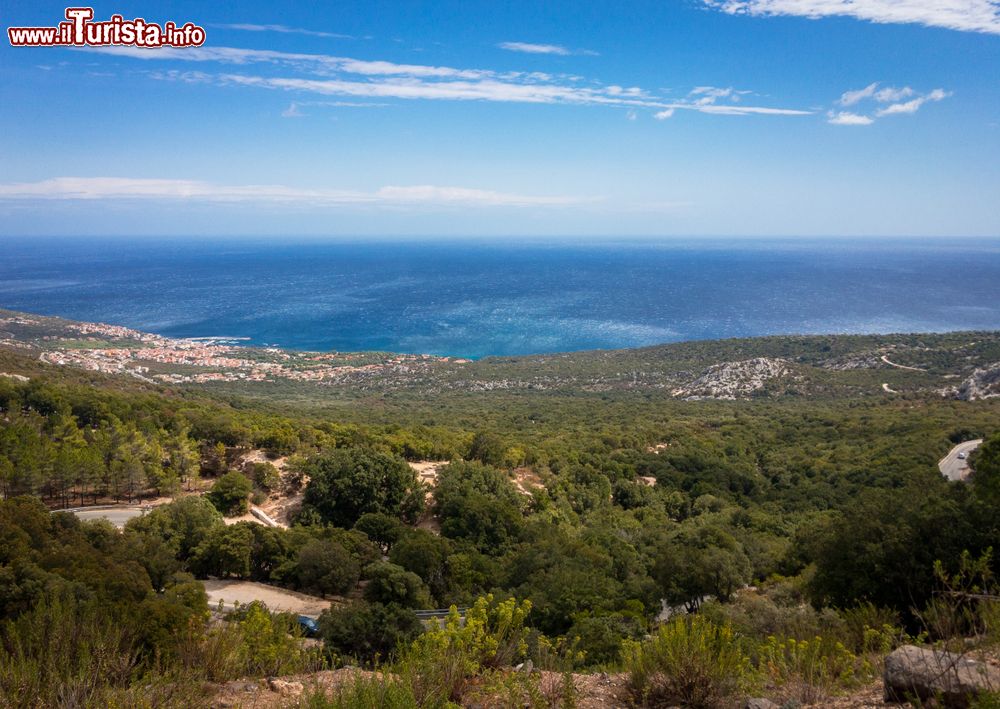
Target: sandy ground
277, 599
526, 480
427, 470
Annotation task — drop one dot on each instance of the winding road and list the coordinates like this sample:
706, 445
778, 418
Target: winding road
118, 515
955, 468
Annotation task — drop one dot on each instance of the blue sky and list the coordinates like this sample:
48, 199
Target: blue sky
677, 117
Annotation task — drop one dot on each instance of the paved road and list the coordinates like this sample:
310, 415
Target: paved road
955, 468
118, 516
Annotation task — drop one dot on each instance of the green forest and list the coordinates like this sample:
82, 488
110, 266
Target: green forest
703, 551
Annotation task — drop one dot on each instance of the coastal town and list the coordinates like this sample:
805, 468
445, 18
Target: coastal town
113, 349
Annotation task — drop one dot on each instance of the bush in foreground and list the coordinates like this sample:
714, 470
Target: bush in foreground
689, 661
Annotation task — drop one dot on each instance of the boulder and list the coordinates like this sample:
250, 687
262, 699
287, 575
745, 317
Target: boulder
920, 673
759, 703
284, 687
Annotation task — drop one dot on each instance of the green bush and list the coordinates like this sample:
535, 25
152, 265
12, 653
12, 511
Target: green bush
381, 529
324, 566
440, 663
270, 644
599, 637
265, 476
810, 671
389, 583
689, 661
229, 494
368, 632
64, 653
345, 484
988, 700
378, 691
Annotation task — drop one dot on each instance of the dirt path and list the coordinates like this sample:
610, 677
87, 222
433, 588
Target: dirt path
885, 359
277, 599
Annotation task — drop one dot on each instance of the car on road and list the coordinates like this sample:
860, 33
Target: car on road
963, 455
308, 626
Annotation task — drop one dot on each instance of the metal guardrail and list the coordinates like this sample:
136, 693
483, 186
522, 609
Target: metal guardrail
438, 613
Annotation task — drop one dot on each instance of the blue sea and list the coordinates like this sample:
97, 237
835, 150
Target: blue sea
474, 299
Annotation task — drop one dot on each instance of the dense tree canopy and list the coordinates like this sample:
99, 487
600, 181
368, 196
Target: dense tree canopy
345, 484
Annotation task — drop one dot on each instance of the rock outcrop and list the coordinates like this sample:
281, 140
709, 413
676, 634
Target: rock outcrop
732, 380
931, 675
982, 384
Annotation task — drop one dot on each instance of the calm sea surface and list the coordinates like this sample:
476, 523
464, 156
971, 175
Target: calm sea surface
476, 299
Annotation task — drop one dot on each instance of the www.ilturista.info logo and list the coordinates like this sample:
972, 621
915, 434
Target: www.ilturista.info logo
79, 30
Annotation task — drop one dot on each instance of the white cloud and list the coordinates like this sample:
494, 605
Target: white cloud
872, 91
332, 76
314, 63
914, 105
849, 98
845, 118
531, 48
119, 188
490, 90
892, 94
664, 114
889, 94
963, 15
528, 48
292, 111
283, 29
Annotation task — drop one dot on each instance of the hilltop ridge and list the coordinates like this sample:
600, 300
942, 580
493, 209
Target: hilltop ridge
961, 364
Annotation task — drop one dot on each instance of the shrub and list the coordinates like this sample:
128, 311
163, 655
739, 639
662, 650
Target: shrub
809, 671
389, 583
368, 632
324, 566
364, 692
229, 494
381, 529
265, 476
440, 663
689, 661
987, 700
63, 653
600, 637
344, 484
270, 644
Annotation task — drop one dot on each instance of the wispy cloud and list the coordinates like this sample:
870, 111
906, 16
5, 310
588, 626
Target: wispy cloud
528, 48
914, 105
339, 76
849, 98
531, 48
118, 188
872, 91
283, 29
963, 15
886, 95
